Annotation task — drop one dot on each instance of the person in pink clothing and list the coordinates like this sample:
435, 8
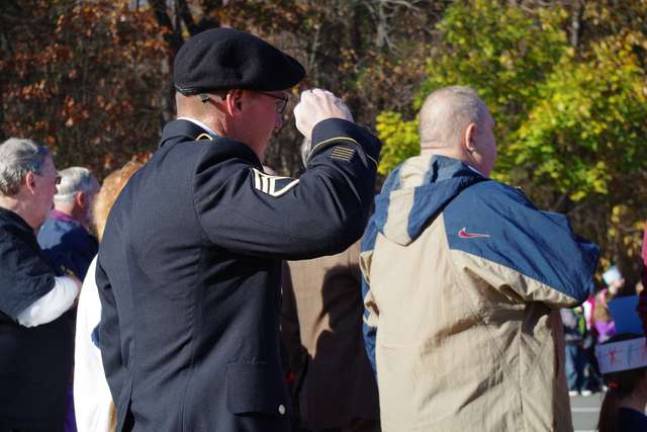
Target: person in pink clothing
603, 323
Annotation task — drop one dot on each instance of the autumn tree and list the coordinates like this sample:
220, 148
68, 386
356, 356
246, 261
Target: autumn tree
83, 78
94, 79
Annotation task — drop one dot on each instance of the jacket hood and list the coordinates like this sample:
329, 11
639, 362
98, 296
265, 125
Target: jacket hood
416, 192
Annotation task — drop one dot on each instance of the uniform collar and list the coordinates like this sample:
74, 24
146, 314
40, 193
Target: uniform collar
184, 129
199, 123
181, 129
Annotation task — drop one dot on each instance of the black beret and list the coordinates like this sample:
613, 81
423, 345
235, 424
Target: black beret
224, 58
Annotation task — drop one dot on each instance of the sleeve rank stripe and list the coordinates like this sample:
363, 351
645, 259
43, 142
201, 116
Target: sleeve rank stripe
268, 184
342, 153
257, 180
343, 150
324, 142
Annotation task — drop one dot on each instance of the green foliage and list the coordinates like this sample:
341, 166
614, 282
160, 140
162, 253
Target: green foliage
399, 138
499, 51
589, 124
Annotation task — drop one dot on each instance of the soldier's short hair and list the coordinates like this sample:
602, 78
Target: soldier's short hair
73, 180
18, 156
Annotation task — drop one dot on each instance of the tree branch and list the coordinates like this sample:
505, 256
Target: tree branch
184, 13
171, 36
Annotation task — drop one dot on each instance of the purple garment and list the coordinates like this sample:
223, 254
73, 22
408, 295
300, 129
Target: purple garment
59, 215
605, 330
70, 417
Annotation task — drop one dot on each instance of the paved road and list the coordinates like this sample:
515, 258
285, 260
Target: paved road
585, 412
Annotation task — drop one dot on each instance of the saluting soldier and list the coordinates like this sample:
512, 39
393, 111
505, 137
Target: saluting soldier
189, 268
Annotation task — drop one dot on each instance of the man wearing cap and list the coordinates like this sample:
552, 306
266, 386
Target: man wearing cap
189, 268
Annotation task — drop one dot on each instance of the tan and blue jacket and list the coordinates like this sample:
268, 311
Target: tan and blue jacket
463, 279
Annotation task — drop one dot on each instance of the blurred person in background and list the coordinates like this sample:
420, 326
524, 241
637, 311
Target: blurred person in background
36, 298
65, 235
603, 324
576, 338
321, 328
92, 400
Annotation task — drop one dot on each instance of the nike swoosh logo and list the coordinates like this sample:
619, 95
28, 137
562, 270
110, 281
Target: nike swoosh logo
468, 235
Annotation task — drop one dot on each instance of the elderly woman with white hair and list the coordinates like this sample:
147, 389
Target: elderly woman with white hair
36, 320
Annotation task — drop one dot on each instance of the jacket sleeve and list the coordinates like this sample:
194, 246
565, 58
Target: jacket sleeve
52, 305
83, 247
369, 327
25, 275
371, 311
524, 253
246, 211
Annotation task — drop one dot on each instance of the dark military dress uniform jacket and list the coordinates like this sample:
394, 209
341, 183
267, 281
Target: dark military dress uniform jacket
189, 274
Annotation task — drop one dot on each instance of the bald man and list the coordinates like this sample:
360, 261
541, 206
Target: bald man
463, 281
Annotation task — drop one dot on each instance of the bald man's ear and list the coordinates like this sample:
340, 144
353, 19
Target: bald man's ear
470, 137
81, 199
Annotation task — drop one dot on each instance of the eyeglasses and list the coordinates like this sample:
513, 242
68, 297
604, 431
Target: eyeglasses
281, 101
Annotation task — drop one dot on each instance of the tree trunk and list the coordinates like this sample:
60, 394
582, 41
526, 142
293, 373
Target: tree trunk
576, 19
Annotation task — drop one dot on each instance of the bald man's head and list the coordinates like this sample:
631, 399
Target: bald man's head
454, 122
445, 115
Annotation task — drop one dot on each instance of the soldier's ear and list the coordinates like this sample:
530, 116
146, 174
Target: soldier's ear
233, 102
